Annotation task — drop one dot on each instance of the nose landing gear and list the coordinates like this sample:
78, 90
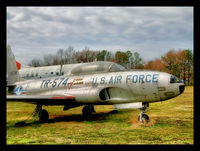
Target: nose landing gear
144, 118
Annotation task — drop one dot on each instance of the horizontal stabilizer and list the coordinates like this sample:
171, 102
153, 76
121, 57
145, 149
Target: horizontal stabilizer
128, 105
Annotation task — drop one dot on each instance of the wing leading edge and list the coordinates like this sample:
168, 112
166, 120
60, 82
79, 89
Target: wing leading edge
44, 100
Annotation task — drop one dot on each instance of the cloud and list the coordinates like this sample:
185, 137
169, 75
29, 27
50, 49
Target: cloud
40, 30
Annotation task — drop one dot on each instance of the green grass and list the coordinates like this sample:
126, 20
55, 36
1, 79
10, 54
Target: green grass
171, 122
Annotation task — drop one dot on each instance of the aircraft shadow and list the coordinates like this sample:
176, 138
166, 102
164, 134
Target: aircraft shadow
100, 117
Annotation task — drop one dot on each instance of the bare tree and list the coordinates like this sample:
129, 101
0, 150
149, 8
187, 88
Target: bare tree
48, 60
60, 56
68, 55
35, 63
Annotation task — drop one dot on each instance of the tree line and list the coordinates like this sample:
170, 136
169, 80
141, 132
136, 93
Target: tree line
70, 56
178, 63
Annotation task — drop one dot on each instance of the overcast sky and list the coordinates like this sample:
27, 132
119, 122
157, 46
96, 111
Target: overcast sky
151, 31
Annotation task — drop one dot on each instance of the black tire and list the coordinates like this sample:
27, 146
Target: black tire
145, 118
43, 116
86, 111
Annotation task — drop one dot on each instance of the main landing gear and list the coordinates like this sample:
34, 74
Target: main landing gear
143, 118
42, 114
88, 110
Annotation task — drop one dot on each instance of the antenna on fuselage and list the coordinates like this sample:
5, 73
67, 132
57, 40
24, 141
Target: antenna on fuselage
105, 57
61, 69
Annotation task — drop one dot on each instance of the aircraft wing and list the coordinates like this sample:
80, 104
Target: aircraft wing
42, 99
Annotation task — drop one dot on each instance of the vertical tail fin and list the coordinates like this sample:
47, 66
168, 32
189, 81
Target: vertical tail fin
12, 73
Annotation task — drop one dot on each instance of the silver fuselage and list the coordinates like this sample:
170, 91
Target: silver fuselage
106, 88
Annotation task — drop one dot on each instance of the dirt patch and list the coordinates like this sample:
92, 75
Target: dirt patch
135, 123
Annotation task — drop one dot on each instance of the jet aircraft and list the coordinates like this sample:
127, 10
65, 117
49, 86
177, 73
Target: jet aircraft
94, 83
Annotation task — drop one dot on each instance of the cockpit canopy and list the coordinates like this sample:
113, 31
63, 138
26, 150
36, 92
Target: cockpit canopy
96, 67
174, 79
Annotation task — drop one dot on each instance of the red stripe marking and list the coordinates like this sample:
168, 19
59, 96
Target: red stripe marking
18, 65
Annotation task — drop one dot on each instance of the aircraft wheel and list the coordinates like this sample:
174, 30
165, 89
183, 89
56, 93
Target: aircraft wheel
43, 116
87, 111
144, 119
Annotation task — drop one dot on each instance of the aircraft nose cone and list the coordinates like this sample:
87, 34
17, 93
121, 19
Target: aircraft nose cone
181, 88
